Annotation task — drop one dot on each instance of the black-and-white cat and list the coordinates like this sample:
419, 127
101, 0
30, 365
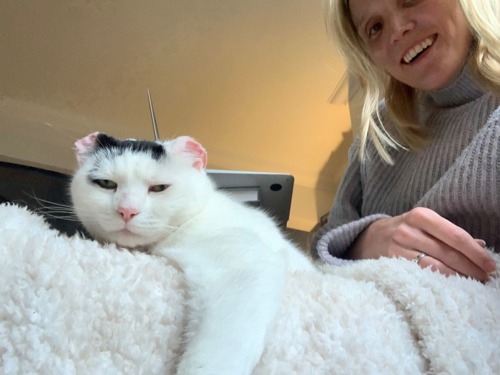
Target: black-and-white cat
156, 196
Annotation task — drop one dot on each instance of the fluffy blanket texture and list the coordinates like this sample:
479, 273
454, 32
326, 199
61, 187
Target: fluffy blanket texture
73, 306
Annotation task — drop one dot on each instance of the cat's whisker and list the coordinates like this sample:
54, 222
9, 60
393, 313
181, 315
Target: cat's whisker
57, 213
59, 130
54, 210
42, 202
154, 223
54, 206
166, 230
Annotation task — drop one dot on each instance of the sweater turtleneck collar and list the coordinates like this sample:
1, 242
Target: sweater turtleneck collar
463, 90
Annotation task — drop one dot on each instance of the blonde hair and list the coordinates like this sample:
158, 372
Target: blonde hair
401, 100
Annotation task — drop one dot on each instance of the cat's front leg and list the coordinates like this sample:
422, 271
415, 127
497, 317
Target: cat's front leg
232, 314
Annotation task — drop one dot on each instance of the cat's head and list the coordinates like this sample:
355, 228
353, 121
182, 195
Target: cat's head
135, 193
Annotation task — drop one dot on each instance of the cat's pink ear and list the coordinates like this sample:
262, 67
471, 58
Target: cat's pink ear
85, 146
194, 149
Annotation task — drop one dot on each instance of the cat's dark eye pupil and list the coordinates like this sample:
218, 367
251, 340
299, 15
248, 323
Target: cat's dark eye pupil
158, 188
106, 184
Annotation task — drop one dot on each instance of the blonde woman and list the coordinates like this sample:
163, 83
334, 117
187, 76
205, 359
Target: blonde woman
423, 182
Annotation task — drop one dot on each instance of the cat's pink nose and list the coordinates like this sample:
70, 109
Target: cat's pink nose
128, 213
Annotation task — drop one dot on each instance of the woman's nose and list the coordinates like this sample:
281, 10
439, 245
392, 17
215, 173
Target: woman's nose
400, 26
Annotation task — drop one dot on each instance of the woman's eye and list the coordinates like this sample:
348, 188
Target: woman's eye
106, 184
374, 29
158, 188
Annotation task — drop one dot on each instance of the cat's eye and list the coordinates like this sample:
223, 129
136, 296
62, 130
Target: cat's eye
158, 188
105, 184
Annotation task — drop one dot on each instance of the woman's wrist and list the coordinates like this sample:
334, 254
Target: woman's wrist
362, 247
355, 252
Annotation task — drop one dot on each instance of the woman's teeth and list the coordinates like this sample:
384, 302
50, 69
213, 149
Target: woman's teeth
416, 50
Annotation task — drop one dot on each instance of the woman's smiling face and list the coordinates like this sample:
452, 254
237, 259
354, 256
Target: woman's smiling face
422, 43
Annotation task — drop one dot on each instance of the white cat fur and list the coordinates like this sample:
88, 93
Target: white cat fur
234, 258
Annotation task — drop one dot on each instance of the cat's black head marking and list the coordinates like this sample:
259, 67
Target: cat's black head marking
154, 149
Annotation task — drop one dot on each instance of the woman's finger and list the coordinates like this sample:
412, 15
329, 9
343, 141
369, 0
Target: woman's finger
436, 265
453, 236
450, 257
444, 254
425, 260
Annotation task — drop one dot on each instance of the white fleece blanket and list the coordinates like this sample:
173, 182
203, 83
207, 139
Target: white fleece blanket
72, 306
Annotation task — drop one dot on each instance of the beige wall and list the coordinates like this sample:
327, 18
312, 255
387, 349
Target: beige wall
251, 80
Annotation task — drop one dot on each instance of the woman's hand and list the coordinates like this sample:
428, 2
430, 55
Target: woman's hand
448, 248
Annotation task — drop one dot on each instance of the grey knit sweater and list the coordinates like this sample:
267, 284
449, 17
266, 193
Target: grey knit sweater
456, 175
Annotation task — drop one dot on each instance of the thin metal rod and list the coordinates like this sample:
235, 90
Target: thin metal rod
153, 117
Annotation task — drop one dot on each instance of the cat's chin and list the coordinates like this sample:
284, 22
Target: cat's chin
127, 239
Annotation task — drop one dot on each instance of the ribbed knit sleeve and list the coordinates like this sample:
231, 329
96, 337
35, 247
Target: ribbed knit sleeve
332, 242
344, 221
